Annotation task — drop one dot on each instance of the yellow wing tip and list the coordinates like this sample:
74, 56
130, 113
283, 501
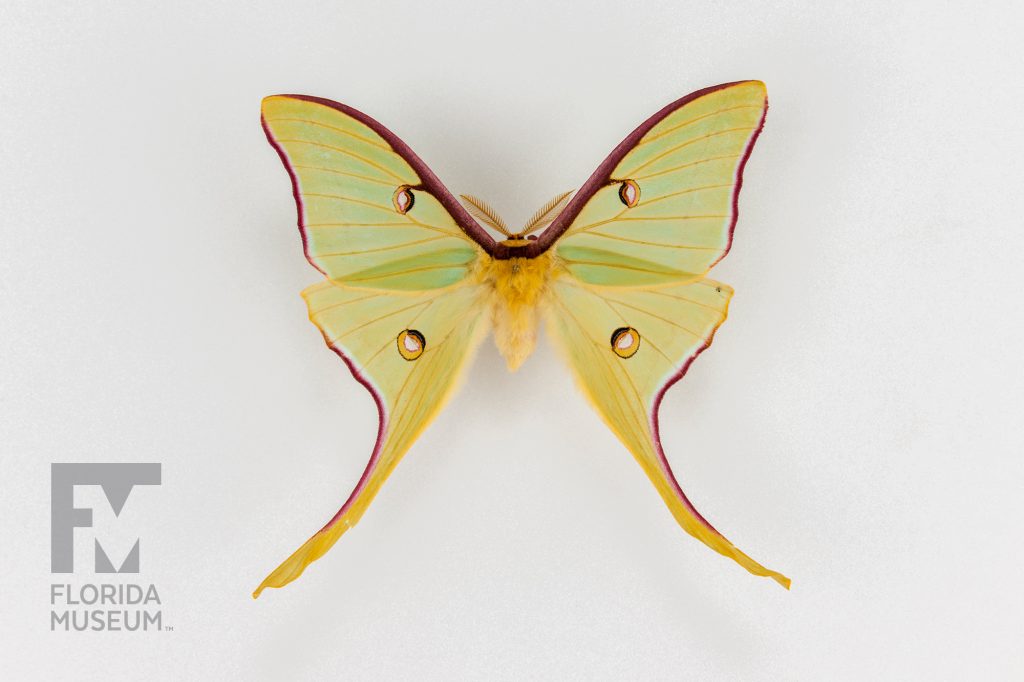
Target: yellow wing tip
756, 568
265, 584
713, 539
754, 84
272, 103
271, 98
749, 564
268, 101
311, 550
291, 569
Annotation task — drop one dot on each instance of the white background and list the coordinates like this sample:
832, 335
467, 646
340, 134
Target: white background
857, 424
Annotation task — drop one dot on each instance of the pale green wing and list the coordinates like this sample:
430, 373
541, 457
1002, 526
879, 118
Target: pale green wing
372, 215
626, 347
662, 208
408, 351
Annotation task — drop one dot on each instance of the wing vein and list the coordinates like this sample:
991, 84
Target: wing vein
616, 218
659, 317
367, 178
698, 162
659, 292
628, 418
346, 152
674, 128
434, 228
618, 266
391, 247
649, 243
379, 145
425, 268
376, 319
673, 150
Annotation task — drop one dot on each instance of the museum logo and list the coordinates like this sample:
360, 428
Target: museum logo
94, 605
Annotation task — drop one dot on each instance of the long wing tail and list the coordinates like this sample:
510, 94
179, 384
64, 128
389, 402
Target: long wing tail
626, 348
408, 351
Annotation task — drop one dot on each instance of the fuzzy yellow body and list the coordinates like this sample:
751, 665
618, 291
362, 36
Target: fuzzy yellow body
518, 287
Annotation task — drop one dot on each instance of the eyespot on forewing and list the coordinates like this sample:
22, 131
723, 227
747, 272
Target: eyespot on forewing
629, 193
403, 199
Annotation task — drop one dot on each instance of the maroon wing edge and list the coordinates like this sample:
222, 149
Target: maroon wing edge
599, 178
428, 181
602, 176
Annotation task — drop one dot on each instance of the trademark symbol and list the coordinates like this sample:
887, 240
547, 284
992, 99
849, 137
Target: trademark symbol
168, 628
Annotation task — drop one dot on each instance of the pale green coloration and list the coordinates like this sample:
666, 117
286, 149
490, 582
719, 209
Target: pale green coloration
347, 176
674, 324
409, 295
686, 169
363, 326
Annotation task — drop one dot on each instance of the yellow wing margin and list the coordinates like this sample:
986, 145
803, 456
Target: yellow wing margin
666, 213
673, 325
409, 351
367, 218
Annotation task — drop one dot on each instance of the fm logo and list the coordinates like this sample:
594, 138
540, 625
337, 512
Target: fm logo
117, 481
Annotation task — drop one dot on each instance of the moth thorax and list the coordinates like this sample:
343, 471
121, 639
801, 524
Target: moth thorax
518, 284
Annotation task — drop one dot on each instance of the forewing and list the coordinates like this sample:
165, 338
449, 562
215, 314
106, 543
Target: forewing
408, 351
372, 215
661, 209
673, 324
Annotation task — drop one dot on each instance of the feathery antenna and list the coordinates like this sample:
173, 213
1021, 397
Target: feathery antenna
547, 213
480, 210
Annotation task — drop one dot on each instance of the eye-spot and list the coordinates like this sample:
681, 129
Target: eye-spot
625, 342
403, 199
629, 193
411, 344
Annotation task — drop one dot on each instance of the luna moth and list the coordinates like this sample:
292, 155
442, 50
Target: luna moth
413, 281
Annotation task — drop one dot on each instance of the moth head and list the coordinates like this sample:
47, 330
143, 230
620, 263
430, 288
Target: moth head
483, 212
